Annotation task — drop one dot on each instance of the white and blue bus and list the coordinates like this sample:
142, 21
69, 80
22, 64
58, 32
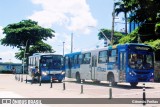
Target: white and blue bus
50, 66
130, 63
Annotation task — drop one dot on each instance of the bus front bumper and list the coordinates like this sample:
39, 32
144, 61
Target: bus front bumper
140, 78
59, 76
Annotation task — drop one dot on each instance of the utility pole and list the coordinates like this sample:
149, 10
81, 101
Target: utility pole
113, 20
63, 48
71, 42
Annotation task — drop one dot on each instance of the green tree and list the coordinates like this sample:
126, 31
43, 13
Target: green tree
107, 33
156, 46
130, 38
24, 34
18, 34
39, 47
145, 12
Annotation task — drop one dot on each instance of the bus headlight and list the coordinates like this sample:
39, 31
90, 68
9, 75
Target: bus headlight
132, 73
152, 74
62, 72
44, 73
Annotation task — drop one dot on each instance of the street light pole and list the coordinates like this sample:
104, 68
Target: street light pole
24, 57
103, 34
113, 20
63, 48
71, 42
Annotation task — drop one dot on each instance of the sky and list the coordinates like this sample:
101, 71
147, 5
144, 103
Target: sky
65, 17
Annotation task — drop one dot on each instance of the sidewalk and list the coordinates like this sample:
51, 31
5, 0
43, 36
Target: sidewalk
11, 88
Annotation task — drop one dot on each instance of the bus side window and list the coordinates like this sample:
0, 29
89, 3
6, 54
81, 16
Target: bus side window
66, 61
70, 63
80, 59
103, 57
112, 54
75, 59
87, 58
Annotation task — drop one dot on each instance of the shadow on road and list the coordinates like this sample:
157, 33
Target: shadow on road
106, 84
44, 82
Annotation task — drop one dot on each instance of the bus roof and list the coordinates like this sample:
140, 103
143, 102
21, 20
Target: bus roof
109, 48
139, 44
72, 54
40, 54
133, 44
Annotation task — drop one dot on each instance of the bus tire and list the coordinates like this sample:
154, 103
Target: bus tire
59, 81
78, 78
112, 80
96, 81
134, 84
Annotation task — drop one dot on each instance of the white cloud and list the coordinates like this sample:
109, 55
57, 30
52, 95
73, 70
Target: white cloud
1, 32
8, 56
75, 15
6, 53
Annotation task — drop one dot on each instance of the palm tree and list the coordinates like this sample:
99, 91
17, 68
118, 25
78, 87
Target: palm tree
122, 8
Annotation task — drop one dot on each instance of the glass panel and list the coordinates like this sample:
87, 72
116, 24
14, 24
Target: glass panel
86, 59
140, 61
80, 59
120, 61
112, 55
124, 68
52, 62
94, 61
75, 59
66, 60
102, 57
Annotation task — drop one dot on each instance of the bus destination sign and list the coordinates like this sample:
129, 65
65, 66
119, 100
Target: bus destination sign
47, 56
142, 48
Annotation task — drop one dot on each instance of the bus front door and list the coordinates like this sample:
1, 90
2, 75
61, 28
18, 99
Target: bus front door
122, 67
94, 67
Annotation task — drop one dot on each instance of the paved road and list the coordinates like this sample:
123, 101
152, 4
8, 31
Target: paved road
11, 88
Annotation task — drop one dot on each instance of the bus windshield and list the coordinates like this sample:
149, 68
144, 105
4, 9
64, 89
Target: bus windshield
52, 61
141, 61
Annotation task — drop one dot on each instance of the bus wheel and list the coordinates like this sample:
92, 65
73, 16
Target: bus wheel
59, 81
78, 79
96, 81
134, 84
111, 79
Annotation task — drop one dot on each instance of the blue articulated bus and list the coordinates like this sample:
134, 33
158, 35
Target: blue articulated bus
50, 66
131, 63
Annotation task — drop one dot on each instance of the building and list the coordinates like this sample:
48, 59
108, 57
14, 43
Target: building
132, 26
5, 67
